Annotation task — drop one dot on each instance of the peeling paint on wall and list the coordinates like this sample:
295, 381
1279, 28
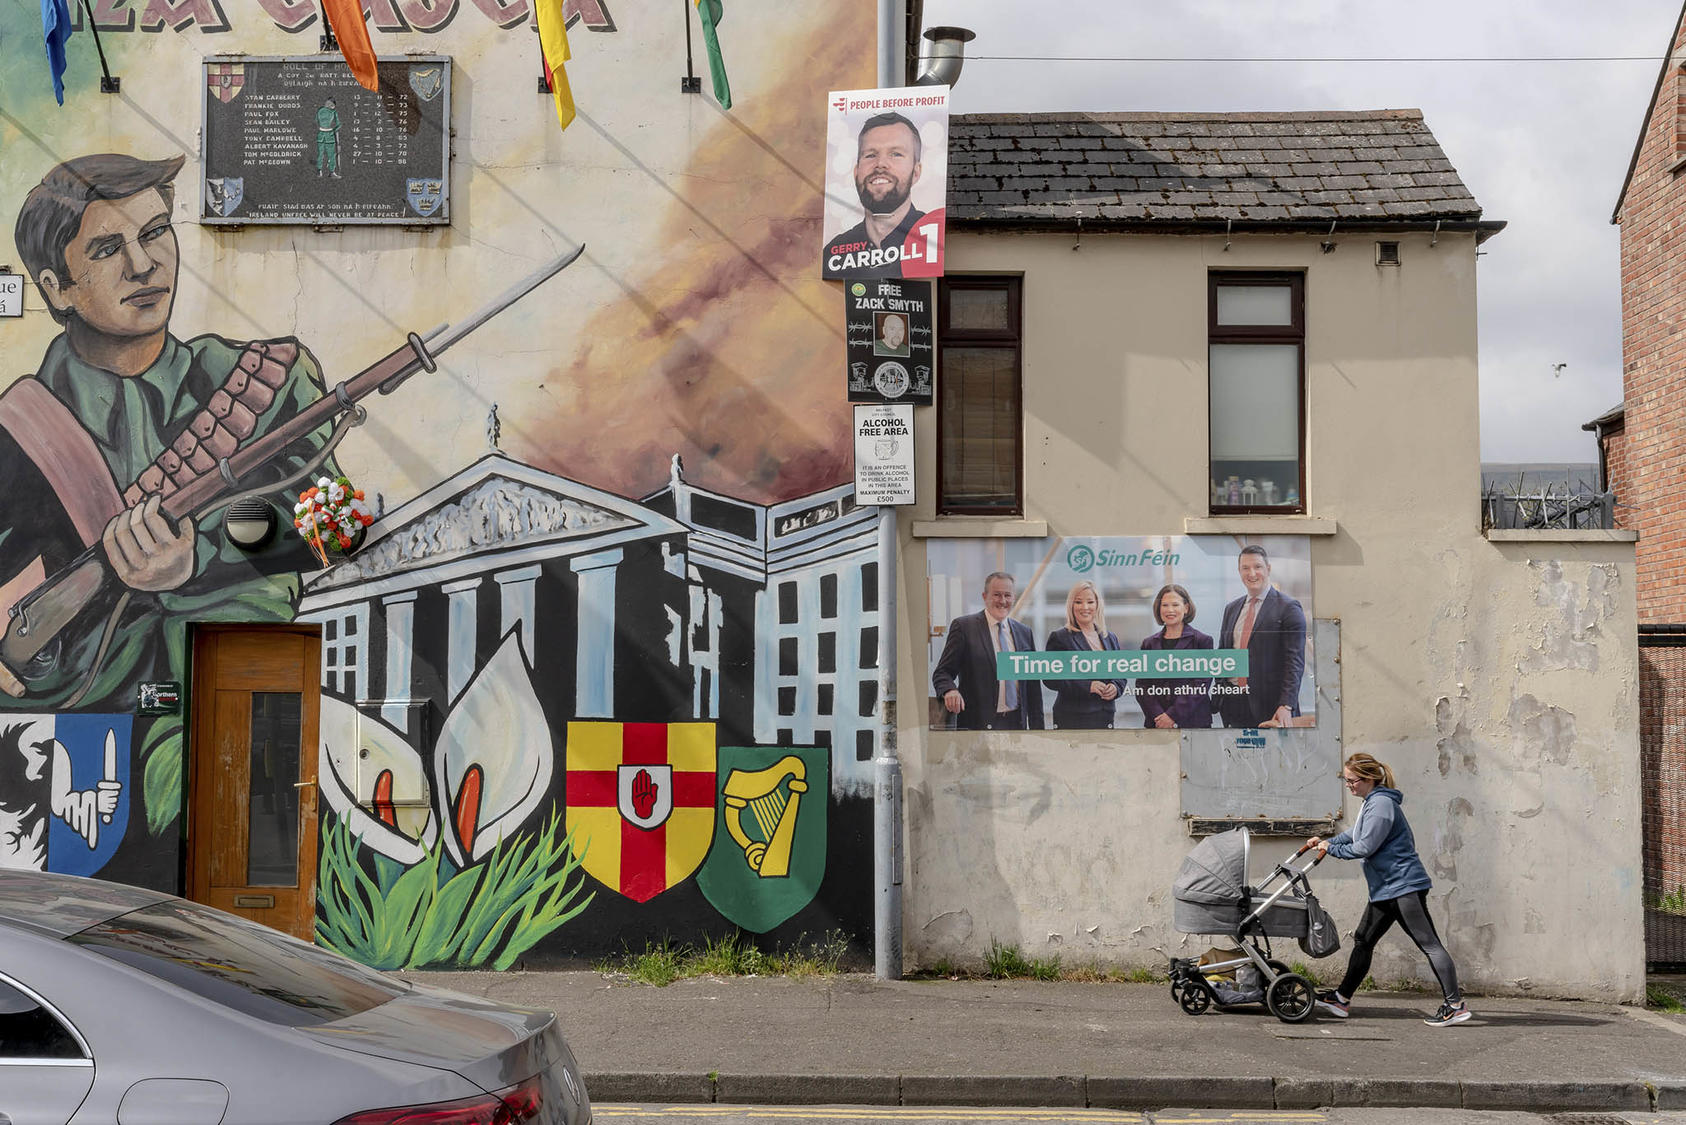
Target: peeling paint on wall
1540, 733
1569, 633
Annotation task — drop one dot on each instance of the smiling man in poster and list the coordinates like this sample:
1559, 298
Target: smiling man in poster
887, 164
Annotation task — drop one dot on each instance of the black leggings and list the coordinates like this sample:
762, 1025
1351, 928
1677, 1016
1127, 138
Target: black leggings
1411, 912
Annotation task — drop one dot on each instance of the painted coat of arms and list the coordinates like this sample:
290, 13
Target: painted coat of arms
224, 194
225, 80
640, 802
769, 852
427, 81
424, 196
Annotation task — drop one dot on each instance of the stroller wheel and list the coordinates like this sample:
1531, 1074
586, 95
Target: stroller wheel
1194, 999
1291, 999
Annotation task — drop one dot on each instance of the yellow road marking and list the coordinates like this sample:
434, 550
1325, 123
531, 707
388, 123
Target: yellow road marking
920, 1113
877, 1113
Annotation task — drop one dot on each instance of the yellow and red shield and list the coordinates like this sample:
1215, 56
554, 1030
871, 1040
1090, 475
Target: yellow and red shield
225, 80
640, 802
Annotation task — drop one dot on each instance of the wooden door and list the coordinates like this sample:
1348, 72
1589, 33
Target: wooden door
252, 808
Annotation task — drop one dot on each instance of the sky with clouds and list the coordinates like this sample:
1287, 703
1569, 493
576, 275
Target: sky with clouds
1543, 145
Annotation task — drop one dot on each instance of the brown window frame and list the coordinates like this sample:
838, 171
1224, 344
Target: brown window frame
1291, 333
1005, 339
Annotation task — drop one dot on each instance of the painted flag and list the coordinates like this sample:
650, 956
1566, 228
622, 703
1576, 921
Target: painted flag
55, 29
710, 11
345, 17
553, 41
640, 802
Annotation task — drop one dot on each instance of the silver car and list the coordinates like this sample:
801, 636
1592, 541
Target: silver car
136, 1007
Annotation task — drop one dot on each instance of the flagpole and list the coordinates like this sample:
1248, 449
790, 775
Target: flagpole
108, 84
690, 83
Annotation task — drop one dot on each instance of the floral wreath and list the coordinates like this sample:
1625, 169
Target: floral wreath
331, 515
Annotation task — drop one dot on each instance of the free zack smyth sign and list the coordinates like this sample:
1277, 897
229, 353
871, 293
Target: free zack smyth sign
888, 329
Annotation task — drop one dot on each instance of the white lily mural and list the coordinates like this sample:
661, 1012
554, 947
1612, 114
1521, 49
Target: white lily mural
494, 757
376, 782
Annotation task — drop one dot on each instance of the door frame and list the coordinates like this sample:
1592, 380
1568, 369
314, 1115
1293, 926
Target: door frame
196, 856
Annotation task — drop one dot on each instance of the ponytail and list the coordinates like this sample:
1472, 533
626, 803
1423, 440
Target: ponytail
1366, 767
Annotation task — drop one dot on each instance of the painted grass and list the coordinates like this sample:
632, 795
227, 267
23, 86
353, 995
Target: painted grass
433, 914
735, 955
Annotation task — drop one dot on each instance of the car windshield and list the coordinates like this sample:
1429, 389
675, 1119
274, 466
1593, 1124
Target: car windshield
239, 964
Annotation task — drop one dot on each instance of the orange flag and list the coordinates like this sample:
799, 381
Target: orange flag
345, 17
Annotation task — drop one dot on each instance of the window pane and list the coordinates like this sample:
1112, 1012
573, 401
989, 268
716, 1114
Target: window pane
980, 419
29, 1031
273, 834
978, 310
1255, 410
1255, 305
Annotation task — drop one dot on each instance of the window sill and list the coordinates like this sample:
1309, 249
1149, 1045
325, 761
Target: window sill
1562, 535
1259, 525
979, 527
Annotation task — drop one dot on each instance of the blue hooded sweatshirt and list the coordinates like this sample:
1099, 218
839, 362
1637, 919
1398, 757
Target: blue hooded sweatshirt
1385, 844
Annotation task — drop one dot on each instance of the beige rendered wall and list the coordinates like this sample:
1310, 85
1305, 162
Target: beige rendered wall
1497, 678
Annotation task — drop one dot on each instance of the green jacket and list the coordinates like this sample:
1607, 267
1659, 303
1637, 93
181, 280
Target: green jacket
131, 420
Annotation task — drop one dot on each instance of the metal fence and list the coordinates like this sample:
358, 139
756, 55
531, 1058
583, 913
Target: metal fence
1662, 781
1551, 505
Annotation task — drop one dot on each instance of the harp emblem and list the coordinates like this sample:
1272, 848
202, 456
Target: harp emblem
771, 800
769, 853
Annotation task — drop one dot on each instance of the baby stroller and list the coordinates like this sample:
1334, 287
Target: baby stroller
1212, 896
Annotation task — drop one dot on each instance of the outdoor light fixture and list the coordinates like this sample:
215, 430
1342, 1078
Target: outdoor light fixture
249, 523
943, 59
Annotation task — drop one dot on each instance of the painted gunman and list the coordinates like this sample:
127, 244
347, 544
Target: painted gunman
127, 438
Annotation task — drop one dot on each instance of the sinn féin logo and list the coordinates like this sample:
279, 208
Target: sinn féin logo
1080, 558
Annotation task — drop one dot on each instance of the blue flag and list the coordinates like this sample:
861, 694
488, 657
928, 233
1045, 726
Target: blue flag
55, 26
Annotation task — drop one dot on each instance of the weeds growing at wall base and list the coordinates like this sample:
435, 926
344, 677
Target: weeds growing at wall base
734, 955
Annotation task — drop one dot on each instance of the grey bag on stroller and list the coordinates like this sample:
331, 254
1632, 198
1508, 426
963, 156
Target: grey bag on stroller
1321, 938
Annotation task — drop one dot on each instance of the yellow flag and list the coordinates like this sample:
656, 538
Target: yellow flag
553, 41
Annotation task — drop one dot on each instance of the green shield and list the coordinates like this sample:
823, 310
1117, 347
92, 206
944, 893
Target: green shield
768, 856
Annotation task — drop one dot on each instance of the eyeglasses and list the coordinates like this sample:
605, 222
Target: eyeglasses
1351, 780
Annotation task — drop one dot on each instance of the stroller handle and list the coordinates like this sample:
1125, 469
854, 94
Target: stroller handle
1304, 848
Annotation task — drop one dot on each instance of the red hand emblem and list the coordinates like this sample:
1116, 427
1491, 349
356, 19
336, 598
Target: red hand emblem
643, 794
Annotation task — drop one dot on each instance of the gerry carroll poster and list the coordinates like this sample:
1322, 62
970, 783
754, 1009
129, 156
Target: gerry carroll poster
886, 182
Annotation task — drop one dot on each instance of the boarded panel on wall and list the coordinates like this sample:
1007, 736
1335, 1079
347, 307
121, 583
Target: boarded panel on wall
1285, 774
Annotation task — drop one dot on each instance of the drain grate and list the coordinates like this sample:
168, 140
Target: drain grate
1588, 1119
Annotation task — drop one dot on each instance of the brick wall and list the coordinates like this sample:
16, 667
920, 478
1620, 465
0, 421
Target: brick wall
1662, 766
1653, 262
1647, 468
1613, 442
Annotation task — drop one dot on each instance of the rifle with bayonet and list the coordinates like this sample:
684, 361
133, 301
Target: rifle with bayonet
40, 616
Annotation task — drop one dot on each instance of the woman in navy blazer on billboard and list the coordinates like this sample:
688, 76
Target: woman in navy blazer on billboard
1084, 704
1175, 704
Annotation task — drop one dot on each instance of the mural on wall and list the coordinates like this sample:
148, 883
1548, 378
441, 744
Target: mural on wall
62, 782
1053, 640
103, 563
660, 537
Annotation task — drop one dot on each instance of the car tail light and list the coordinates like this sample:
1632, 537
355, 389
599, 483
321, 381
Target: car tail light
517, 1105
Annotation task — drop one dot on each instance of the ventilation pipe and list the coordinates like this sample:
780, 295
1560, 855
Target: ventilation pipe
941, 61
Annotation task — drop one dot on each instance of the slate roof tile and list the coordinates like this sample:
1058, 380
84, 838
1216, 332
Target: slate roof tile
1176, 168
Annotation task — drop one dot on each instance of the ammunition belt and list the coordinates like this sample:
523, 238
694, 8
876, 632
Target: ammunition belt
225, 421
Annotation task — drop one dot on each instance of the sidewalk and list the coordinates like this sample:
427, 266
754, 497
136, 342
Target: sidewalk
851, 1039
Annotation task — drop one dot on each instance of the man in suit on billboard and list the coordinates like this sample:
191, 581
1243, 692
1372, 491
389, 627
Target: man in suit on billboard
965, 673
1271, 627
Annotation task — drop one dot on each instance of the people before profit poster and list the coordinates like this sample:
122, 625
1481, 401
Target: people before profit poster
886, 183
1118, 632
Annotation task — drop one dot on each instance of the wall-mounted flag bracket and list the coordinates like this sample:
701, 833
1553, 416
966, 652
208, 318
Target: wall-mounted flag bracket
109, 84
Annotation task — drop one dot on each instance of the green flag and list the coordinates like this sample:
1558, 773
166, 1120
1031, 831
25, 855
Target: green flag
710, 11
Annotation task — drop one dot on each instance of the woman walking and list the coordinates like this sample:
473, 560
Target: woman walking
1381, 840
